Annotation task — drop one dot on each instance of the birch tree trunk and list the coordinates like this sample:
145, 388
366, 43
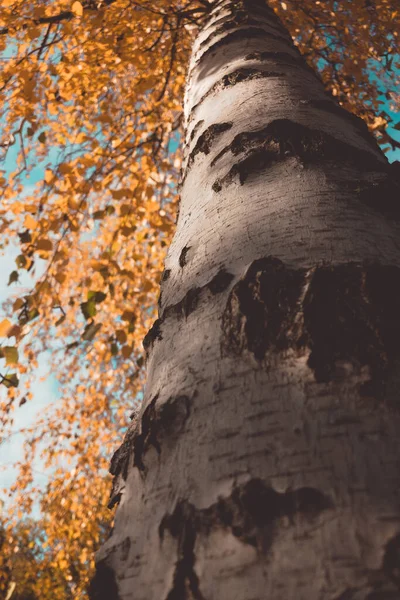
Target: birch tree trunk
265, 462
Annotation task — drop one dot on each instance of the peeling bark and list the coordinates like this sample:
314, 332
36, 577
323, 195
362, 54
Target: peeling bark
265, 461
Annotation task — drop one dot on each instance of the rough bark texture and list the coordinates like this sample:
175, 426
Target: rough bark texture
265, 462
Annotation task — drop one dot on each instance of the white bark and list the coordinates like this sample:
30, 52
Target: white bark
265, 463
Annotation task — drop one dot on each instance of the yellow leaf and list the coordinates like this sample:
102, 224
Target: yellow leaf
5, 327
77, 9
30, 222
48, 176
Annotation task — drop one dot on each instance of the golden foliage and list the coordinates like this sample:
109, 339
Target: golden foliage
91, 98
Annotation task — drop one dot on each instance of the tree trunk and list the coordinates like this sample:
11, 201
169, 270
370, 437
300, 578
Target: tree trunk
265, 462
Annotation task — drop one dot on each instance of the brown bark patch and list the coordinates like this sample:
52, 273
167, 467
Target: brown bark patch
157, 423
173, 415
383, 195
251, 513
237, 36
147, 436
240, 14
166, 274
391, 561
238, 76
183, 256
103, 586
125, 548
196, 128
239, 19
182, 526
283, 139
345, 316
220, 282
252, 510
261, 308
206, 140
152, 335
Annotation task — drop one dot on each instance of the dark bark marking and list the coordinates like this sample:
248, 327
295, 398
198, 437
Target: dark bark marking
120, 459
156, 424
183, 256
250, 513
382, 591
220, 282
351, 313
244, 74
241, 19
285, 58
125, 548
238, 36
381, 595
252, 510
347, 594
344, 314
134, 443
196, 128
240, 15
166, 274
261, 308
383, 195
189, 302
147, 436
103, 586
173, 415
159, 301
282, 139
152, 335
182, 527
238, 76
115, 499
206, 140
391, 560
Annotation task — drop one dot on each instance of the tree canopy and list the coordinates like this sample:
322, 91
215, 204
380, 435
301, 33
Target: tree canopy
91, 112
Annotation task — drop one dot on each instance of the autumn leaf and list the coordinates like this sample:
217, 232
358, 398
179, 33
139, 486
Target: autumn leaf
5, 327
13, 277
10, 381
90, 331
89, 308
97, 103
77, 9
44, 244
10, 354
